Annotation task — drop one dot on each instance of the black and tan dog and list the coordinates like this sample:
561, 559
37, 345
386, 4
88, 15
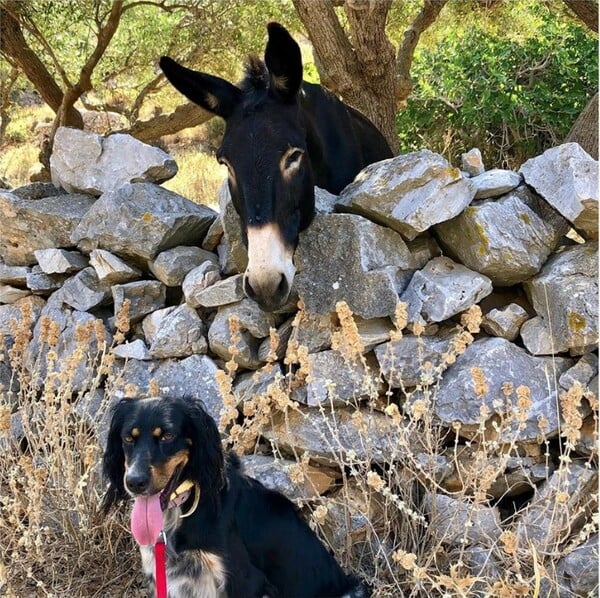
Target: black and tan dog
226, 534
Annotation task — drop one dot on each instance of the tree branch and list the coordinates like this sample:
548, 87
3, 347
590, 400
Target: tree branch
428, 14
184, 116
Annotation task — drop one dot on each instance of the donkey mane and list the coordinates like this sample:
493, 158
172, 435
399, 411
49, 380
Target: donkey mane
256, 75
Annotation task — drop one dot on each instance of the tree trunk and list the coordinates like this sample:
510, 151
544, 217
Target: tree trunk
585, 129
14, 46
586, 11
361, 66
361, 72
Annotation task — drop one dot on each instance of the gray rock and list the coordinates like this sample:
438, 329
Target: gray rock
145, 296
334, 380
16, 275
517, 474
27, 225
134, 350
495, 182
141, 220
409, 193
343, 257
423, 248
60, 261
567, 178
213, 236
254, 324
583, 372
193, 377
13, 317
579, 567
314, 331
565, 295
538, 339
284, 333
180, 333
413, 360
173, 265
472, 163
38, 190
275, 475
587, 443
574, 488
505, 322
222, 292
324, 201
42, 284
482, 563
10, 294
508, 239
454, 521
80, 340
235, 255
152, 322
460, 399
13, 437
249, 384
84, 291
443, 289
88, 163
325, 435
111, 269
373, 332
197, 280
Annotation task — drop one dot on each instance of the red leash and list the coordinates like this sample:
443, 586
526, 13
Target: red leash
160, 566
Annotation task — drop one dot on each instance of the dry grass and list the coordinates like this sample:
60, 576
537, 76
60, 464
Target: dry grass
199, 176
54, 542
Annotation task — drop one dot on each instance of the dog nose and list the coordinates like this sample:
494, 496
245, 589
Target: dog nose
137, 482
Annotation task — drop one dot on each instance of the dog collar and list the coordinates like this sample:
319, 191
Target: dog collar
182, 493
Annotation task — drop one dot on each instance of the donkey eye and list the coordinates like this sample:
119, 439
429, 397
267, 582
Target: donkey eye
292, 159
290, 162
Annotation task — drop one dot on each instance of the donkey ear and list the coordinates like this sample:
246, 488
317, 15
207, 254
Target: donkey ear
211, 93
284, 61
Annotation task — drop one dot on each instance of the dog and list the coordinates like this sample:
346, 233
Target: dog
227, 535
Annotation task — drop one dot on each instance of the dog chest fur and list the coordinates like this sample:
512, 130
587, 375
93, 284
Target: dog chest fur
190, 574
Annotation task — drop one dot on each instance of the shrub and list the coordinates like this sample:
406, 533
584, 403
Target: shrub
511, 97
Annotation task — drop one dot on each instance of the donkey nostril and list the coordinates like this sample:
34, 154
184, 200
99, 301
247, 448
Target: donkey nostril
283, 287
250, 293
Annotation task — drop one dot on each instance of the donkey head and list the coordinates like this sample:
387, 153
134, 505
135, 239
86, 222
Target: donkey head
264, 149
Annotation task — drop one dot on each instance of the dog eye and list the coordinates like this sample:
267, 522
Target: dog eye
128, 439
167, 437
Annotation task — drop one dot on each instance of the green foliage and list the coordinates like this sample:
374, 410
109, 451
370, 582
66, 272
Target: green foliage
210, 35
513, 96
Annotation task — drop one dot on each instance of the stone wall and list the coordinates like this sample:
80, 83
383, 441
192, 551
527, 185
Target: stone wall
413, 229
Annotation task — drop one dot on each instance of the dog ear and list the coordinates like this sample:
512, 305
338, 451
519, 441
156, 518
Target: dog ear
113, 462
206, 451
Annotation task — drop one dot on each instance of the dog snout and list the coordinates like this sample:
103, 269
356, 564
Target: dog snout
137, 482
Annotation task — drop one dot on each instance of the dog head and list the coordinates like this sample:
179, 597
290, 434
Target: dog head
153, 443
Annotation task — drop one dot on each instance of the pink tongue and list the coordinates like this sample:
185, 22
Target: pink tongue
146, 519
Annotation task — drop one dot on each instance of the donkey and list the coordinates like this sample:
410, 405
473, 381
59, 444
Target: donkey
282, 137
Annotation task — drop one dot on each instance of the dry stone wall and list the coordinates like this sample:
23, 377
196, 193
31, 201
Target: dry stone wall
412, 229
